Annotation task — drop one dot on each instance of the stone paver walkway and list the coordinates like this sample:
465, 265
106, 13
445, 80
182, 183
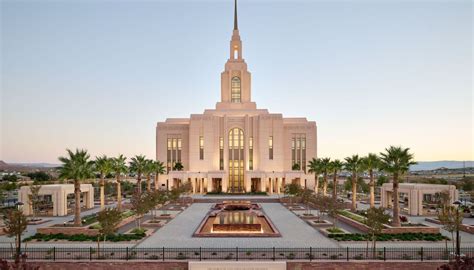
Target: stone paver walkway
295, 232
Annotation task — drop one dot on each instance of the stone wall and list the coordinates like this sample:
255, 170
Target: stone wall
327, 265
364, 265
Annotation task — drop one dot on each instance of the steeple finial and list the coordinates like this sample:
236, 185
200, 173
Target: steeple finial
235, 15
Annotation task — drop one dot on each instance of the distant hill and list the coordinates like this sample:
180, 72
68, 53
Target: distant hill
433, 165
25, 167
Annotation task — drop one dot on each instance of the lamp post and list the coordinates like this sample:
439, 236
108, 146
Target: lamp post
19, 208
458, 239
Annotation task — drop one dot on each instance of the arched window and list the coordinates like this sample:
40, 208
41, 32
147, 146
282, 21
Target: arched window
235, 90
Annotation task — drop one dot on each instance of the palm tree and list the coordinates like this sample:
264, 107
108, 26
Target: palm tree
149, 169
315, 167
103, 166
353, 165
159, 168
336, 166
78, 167
325, 168
119, 167
371, 163
137, 166
396, 161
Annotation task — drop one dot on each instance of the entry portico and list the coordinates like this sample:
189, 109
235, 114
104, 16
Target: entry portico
415, 193
58, 193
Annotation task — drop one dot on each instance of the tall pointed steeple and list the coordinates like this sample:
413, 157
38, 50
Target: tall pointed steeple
236, 26
235, 80
235, 43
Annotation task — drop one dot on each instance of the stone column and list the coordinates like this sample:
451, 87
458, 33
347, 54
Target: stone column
201, 185
271, 185
193, 183
210, 184
278, 184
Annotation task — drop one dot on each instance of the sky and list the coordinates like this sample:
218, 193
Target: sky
99, 74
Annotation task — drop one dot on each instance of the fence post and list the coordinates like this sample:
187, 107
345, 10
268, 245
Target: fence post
237, 253
54, 253
384, 258
200, 254
421, 253
347, 253
163, 253
126, 254
273, 253
90, 253
310, 253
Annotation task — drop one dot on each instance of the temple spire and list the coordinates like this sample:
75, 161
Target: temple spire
235, 16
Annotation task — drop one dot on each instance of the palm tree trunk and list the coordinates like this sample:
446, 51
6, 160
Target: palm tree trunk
396, 206
325, 184
354, 193
139, 184
77, 206
156, 181
372, 189
148, 183
316, 184
102, 193
119, 194
334, 189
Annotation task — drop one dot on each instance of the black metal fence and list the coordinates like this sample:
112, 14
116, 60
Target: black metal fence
236, 254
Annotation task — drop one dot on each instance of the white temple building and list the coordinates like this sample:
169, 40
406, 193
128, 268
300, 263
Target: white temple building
236, 147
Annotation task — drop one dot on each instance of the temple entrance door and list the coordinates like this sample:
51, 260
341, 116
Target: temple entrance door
255, 185
217, 184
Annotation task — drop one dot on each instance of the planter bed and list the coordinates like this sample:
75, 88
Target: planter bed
155, 223
307, 216
68, 230
320, 223
327, 231
349, 218
166, 216
82, 237
37, 222
429, 237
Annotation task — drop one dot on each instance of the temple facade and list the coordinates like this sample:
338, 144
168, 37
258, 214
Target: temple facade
236, 147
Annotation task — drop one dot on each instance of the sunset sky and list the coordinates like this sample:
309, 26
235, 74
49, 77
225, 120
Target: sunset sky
99, 74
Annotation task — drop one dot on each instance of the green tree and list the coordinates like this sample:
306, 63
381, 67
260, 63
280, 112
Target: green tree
158, 168
108, 219
375, 220
451, 220
39, 176
119, 167
15, 224
371, 163
336, 166
396, 161
10, 178
353, 164
103, 166
78, 167
149, 169
34, 199
142, 203
325, 168
382, 179
137, 166
315, 167
178, 166
292, 190
296, 167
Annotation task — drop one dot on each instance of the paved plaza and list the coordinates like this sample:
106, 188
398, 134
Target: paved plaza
295, 232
